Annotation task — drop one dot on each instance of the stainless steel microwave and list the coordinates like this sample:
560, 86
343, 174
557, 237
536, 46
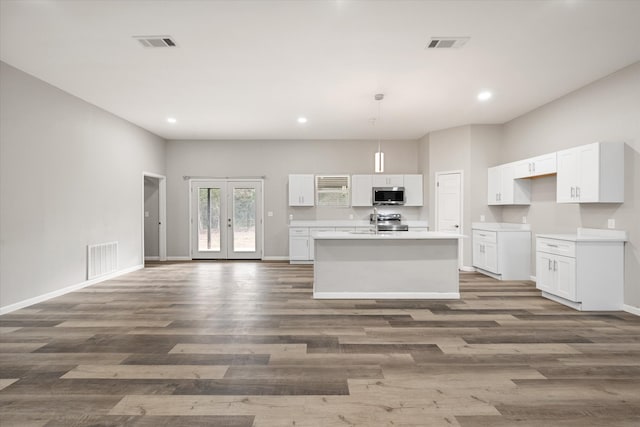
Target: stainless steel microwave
388, 196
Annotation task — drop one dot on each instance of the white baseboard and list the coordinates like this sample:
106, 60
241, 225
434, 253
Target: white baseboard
178, 258
22, 304
533, 279
275, 258
152, 258
631, 309
467, 269
386, 295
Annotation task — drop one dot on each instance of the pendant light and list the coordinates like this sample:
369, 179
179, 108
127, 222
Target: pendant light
379, 156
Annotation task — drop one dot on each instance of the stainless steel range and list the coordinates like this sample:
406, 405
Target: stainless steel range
388, 222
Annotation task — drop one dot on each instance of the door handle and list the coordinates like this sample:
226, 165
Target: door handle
456, 226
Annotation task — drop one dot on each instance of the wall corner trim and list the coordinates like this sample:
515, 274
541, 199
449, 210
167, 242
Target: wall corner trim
44, 297
631, 309
467, 269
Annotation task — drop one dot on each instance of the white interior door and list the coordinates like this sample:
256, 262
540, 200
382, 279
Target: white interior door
449, 202
226, 219
449, 206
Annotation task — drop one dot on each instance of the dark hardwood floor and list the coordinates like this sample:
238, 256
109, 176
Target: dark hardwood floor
243, 343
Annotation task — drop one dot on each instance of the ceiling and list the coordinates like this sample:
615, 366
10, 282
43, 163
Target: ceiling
249, 69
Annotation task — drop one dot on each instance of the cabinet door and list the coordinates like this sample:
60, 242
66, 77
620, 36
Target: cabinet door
544, 272
491, 257
388, 180
567, 176
588, 173
494, 183
544, 165
479, 259
507, 184
301, 190
299, 248
413, 190
565, 276
523, 169
361, 187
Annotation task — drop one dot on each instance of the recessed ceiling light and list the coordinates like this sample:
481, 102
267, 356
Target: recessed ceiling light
171, 120
302, 120
484, 95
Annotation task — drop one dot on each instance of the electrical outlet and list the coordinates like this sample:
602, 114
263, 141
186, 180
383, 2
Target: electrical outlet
269, 213
481, 218
611, 223
524, 219
350, 216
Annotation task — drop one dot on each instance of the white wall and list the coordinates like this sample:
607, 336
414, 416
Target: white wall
470, 149
275, 160
70, 175
606, 110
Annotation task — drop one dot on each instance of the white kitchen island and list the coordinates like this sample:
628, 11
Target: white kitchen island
398, 265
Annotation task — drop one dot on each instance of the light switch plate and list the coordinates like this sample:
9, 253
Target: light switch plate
350, 216
146, 214
269, 213
524, 219
481, 218
611, 223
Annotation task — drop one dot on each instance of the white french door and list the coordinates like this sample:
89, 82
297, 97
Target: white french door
226, 219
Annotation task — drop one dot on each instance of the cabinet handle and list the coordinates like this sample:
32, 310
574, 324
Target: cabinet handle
573, 192
533, 167
529, 167
552, 246
549, 266
555, 265
577, 192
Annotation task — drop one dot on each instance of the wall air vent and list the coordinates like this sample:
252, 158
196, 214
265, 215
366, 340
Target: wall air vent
447, 42
156, 41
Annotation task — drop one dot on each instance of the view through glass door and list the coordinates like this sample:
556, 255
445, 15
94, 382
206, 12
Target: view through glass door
226, 219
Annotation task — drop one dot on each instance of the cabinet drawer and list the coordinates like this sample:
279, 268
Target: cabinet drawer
320, 230
485, 236
298, 231
558, 247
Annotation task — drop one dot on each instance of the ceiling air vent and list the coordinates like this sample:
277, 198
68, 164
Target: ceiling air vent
447, 42
156, 41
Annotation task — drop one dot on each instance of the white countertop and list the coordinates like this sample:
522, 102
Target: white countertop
348, 223
500, 226
590, 235
385, 235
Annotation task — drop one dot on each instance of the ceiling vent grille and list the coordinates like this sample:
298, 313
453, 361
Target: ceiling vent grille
447, 42
156, 41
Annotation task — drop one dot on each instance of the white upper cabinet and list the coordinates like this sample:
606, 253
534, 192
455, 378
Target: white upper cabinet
361, 190
362, 187
388, 180
503, 189
592, 173
301, 190
535, 166
413, 190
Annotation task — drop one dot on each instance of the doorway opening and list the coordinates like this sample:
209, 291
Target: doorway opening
226, 219
154, 246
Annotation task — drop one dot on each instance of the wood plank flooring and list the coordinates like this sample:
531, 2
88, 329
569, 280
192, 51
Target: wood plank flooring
244, 344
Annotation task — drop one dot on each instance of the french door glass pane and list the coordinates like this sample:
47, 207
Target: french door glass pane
209, 219
244, 219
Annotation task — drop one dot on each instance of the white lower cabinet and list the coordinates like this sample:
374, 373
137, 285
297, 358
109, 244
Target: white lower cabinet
502, 253
580, 273
556, 275
299, 244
